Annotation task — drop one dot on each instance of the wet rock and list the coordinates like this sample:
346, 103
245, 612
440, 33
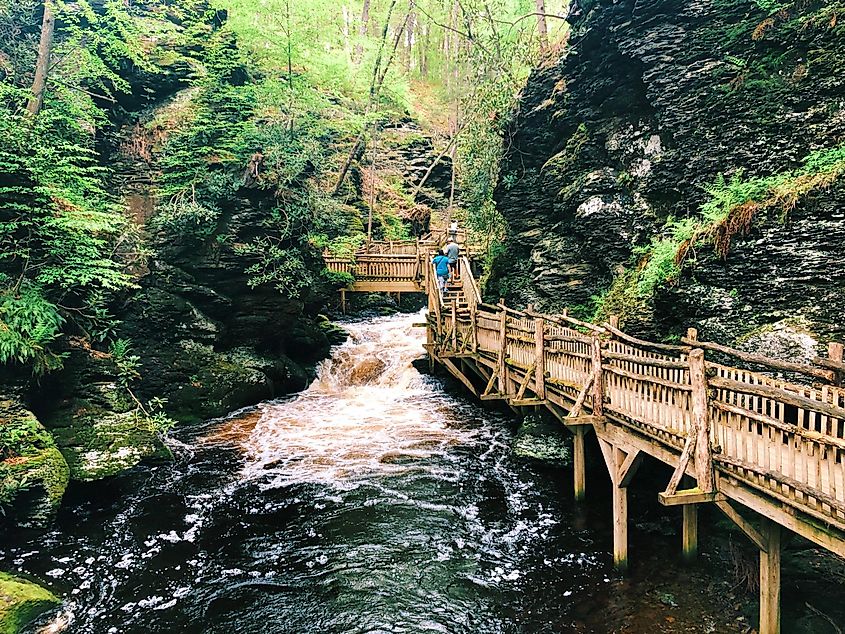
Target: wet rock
335, 334
22, 601
544, 440
33, 473
367, 371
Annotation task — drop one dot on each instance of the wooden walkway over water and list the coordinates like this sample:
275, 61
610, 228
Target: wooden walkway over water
766, 451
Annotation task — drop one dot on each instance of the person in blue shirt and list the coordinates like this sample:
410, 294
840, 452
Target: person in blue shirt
441, 265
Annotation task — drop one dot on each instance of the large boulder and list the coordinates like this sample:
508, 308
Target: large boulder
33, 473
22, 601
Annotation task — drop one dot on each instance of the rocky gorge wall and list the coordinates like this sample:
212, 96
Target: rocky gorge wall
657, 110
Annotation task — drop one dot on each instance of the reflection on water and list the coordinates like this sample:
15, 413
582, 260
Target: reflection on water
372, 502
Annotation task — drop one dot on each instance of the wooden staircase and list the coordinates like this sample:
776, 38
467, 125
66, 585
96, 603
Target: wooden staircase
454, 292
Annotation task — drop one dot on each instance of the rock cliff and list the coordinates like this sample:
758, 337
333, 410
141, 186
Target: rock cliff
681, 165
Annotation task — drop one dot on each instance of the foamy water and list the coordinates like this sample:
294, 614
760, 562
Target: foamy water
361, 417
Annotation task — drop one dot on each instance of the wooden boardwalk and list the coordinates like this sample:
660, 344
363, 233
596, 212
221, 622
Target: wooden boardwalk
768, 452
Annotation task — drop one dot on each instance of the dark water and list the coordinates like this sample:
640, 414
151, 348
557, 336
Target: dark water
374, 502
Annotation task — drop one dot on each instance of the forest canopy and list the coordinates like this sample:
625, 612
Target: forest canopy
299, 87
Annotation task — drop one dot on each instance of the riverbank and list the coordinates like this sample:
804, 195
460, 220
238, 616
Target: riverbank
373, 500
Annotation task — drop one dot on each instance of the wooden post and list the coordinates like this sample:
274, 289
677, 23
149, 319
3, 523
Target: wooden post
540, 358
701, 422
473, 319
580, 463
503, 348
343, 300
620, 514
598, 383
770, 579
454, 325
690, 533
836, 352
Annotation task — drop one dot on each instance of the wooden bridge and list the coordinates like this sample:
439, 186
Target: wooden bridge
767, 452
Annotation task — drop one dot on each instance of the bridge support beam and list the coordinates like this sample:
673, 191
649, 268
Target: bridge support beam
690, 533
620, 516
579, 463
770, 581
622, 465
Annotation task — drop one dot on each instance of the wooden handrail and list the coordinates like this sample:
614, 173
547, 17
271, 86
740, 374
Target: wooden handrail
652, 385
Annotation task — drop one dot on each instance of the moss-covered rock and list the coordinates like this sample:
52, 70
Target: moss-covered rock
33, 473
21, 601
542, 439
97, 443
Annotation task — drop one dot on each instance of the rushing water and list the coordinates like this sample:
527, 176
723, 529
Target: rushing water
372, 502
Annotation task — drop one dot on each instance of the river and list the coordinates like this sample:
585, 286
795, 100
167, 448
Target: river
374, 501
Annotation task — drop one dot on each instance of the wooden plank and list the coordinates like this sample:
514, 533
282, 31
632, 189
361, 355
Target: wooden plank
689, 533
582, 396
777, 424
527, 402
540, 358
583, 421
646, 378
598, 381
823, 535
683, 463
456, 372
620, 515
663, 347
579, 464
689, 496
387, 286
503, 351
629, 467
743, 524
655, 363
770, 579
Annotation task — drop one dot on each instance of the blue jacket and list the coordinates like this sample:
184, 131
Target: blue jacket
442, 264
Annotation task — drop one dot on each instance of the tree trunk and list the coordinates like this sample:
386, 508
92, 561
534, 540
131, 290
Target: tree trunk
362, 32
542, 27
375, 87
42, 65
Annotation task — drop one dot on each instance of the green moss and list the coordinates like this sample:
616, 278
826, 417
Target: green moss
560, 163
20, 602
540, 439
732, 207
33, 473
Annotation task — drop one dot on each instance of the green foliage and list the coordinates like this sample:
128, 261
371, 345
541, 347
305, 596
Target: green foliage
283, 268
28, 324
127, 364
337, 279
730, 209
23, 436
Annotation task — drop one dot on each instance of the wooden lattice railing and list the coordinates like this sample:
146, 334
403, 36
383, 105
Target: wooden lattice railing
782, 438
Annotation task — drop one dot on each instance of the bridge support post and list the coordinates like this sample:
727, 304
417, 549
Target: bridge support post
620, 515
622, 465
580, 463
690, 533
770, 581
